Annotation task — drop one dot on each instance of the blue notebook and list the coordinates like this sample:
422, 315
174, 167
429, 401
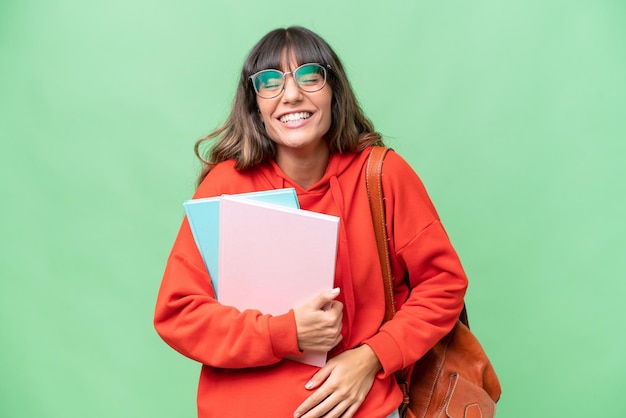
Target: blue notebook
204, 219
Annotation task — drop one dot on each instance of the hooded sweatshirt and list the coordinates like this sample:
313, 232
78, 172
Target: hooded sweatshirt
244, 372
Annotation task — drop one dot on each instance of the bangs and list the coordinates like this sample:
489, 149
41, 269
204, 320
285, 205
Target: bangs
305, 47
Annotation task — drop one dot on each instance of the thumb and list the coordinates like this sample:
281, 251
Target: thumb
324, 299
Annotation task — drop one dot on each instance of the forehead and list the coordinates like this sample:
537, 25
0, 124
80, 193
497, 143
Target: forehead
288, 57
289, 62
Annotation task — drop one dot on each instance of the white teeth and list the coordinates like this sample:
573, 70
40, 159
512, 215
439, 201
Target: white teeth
292, 117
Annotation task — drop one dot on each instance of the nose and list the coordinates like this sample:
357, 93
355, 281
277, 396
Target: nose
292, 92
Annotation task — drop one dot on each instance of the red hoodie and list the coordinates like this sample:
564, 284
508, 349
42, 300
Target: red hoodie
244, 373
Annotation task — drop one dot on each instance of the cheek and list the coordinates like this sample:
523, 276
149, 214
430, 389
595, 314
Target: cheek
264, 110
328, 112
266, 119
328, 98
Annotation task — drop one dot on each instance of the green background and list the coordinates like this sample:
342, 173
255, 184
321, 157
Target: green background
511, 111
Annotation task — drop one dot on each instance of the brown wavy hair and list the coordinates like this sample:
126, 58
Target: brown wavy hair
243, 137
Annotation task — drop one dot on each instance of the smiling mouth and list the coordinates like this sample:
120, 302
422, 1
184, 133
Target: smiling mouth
294, 117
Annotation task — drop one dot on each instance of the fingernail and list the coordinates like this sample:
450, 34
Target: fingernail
309, 385
335, 291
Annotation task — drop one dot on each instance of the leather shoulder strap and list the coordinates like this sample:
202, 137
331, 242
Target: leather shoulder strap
374, 172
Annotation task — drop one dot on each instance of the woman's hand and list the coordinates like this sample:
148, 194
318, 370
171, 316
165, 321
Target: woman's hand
318, 322
343, 384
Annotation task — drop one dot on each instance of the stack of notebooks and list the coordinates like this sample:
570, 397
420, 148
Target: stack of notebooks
263, 252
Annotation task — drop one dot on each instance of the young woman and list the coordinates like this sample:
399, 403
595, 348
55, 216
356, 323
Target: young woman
295, 122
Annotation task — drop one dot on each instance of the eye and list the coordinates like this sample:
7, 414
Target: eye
268, 80
310, 79
270, 84
310, 74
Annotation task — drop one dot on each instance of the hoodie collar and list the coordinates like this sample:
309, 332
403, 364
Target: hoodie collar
337, 164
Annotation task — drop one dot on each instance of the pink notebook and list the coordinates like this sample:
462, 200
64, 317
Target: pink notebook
273, 258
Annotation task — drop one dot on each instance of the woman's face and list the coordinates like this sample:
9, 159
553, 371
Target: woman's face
297, 120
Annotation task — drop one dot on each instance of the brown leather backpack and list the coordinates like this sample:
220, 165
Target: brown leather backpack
455, 378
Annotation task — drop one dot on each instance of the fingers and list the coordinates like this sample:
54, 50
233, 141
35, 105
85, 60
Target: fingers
319, 377
329, 402
340, 387
327, 408
319, 322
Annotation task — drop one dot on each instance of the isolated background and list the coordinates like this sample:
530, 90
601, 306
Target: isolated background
511, 111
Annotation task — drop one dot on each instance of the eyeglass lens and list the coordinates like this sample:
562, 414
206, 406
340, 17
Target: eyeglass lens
308, 77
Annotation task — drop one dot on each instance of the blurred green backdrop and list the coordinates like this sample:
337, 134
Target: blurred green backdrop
511, 111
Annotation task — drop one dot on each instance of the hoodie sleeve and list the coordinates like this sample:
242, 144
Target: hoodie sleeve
421, 248
190, 319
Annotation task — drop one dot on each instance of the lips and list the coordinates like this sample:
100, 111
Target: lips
294, 117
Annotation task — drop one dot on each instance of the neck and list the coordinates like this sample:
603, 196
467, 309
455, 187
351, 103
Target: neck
304, 168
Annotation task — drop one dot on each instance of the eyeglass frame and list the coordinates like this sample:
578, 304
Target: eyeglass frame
325, 67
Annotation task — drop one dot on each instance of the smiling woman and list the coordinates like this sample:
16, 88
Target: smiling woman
295, 123
272, 63
297, 119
